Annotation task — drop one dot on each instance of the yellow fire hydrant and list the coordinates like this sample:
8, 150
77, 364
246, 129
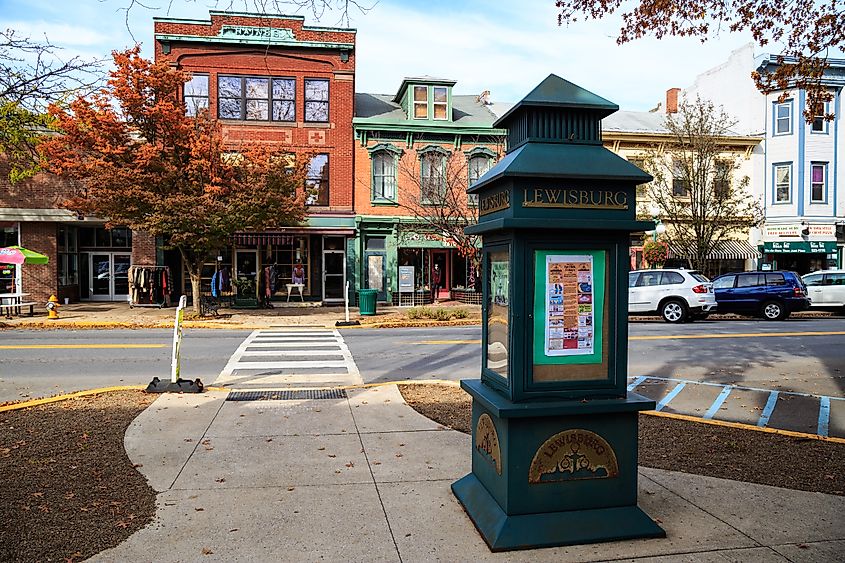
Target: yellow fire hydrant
53, 307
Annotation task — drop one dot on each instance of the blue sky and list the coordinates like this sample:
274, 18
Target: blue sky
505, 47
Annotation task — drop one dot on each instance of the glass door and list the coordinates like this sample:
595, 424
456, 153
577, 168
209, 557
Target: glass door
334, 272
100, 276
108, 276
246, 272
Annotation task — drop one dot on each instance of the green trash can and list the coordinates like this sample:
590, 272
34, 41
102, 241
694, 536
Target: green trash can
367, 301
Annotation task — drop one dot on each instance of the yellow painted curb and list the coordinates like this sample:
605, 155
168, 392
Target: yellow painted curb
57, 398
741, 426
86, 393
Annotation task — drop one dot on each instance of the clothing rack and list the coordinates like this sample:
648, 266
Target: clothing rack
149, 286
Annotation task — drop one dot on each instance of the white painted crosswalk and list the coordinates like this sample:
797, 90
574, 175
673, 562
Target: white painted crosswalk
282, 357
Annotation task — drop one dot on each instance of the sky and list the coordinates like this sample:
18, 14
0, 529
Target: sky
505, 47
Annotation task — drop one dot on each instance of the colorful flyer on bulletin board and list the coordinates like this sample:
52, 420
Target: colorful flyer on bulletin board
568, 306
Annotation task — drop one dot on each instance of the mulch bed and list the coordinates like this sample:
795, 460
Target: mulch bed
678, 445
68, 488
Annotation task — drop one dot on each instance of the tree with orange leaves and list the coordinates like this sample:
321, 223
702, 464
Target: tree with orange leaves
140, 162
804, 33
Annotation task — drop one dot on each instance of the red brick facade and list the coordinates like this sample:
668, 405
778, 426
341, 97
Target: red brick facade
39, 280
281, 61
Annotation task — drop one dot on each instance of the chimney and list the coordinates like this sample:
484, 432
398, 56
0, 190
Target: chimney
484, 98
672, 100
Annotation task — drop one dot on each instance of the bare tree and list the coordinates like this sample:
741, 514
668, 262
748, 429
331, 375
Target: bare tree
32, 76
694, 188
433, 186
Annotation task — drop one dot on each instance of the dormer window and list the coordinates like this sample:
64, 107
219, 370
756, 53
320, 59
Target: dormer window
440, 103
421, 102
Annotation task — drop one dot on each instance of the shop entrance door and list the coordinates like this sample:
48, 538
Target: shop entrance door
440, 259
246, 268
334, 272
108, 276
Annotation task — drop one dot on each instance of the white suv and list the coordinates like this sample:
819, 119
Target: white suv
676, 295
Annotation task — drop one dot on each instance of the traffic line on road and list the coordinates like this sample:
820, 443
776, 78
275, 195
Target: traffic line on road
439, 342
717, 404
737, 335
77, 346
633, 385
824, 416
671, 395
768, 409
304, 357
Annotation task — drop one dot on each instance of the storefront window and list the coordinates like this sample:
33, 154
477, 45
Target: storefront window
67, 259
100, 237
288, 259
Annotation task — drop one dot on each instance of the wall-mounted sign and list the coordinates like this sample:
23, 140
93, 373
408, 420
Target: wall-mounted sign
493, 203
570, 198
800, 247
573, 455
794, 230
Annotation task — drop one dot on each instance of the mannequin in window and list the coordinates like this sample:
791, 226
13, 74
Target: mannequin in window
298, 274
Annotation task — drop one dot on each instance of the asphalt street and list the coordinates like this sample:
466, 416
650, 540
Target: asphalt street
43, 363
799, 355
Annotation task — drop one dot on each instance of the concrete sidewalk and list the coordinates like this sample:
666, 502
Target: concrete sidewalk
366, 478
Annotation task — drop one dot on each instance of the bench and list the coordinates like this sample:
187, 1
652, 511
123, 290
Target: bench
209, 306
16, 307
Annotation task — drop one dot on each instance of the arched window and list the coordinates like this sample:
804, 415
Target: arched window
479, 161
384, 160
433, 175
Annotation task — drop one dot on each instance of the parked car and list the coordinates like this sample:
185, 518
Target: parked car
826, 289
771, 295
676, 295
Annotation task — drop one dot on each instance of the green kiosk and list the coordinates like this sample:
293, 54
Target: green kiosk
554, 456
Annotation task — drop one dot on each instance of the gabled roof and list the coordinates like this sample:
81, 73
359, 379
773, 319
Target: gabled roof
382, 108
421, 80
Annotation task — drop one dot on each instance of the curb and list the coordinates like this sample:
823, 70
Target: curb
88, 392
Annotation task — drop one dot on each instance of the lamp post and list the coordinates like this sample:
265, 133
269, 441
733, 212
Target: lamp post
659, 227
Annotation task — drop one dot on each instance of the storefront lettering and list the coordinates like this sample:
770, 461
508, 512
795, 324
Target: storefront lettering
575, 199
493, 203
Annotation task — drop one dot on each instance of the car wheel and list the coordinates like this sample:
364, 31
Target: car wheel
773, 311
673, 311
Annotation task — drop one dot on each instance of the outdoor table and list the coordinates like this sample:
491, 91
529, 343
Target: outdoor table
13, 301
298, 286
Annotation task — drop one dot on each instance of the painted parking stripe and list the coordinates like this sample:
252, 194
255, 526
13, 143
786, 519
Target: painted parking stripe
768, 409
824, 416
737, 335
665, 400
717, 404
633, 385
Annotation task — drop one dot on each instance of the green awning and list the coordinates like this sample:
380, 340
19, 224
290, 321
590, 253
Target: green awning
800, 247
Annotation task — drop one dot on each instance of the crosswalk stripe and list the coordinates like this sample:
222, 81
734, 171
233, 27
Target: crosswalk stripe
297, 358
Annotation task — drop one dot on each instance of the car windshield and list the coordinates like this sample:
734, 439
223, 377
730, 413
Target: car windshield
697, 276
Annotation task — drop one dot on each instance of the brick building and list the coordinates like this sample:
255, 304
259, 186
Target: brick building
272, 79
87, 261
422, 138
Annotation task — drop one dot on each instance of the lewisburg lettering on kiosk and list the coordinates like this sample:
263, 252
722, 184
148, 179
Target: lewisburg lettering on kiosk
554, 456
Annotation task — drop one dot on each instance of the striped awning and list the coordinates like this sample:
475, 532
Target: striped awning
725, 250
252, 239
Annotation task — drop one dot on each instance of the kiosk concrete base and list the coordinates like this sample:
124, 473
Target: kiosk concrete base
550, 529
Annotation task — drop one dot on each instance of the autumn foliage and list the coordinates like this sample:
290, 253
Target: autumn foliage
804, 34
140, 162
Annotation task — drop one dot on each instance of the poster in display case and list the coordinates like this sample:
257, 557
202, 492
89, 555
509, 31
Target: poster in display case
569, 314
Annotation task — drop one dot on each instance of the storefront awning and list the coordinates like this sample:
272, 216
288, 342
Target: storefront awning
799, 247
251, 239
725, 250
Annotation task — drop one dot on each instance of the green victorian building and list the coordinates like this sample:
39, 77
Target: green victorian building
416, 152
